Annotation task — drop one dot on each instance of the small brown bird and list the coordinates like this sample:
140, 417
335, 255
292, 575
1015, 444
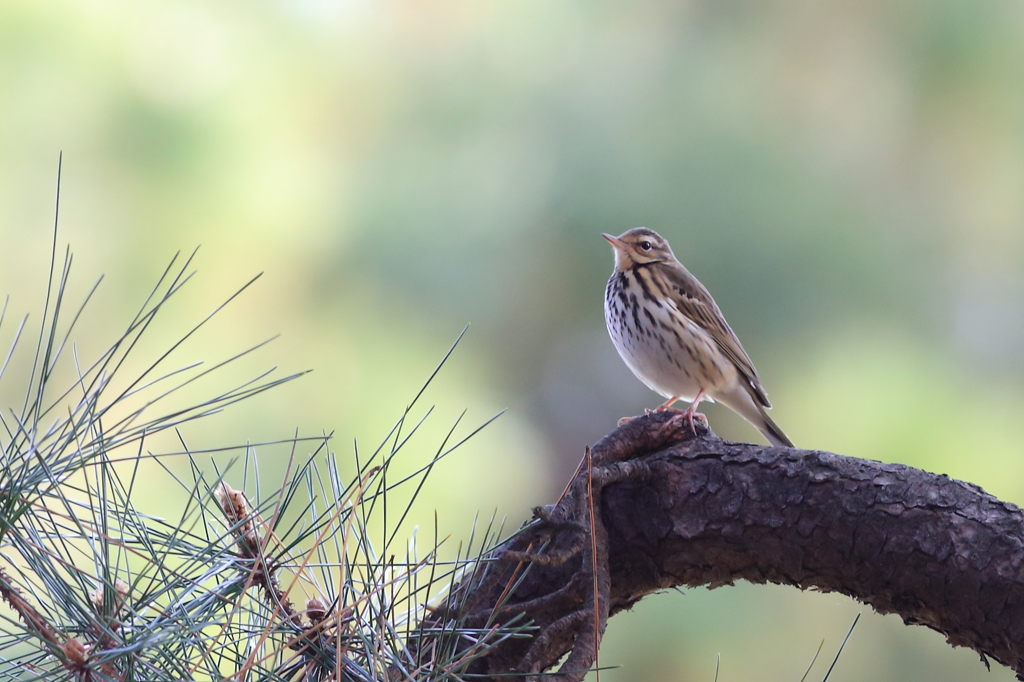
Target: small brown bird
671, 333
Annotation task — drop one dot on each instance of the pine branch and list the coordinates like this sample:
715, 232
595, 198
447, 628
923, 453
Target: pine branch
678, 509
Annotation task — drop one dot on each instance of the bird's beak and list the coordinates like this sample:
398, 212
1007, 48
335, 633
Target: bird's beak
615, 241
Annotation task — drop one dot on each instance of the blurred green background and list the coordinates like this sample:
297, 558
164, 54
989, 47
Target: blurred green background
847, 178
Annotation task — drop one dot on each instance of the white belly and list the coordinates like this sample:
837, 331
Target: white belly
669, 365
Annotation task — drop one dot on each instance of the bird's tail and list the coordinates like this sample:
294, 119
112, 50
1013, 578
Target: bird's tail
743, 404
771, 430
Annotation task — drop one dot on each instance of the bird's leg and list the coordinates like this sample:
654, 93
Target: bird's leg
691, 411
665, 406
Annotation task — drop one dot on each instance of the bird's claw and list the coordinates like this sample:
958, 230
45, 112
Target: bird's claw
689, 415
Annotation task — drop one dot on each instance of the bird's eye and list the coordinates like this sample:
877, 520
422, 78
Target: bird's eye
646, 246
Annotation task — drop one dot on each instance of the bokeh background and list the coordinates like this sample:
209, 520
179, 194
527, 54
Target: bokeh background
847, 178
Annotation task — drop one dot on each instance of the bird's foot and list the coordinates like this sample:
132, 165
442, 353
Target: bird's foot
665, 406
689, 414
647, 413
662, 408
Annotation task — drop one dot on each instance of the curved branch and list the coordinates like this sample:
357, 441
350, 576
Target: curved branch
678, 509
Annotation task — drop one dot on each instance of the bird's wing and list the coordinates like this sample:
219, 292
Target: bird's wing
693, 301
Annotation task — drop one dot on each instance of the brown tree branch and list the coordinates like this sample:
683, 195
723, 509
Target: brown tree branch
677, 509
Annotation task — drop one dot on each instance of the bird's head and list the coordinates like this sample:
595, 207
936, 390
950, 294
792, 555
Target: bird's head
639, 246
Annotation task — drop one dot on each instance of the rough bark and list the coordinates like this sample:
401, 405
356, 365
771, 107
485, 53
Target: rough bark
673, 508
